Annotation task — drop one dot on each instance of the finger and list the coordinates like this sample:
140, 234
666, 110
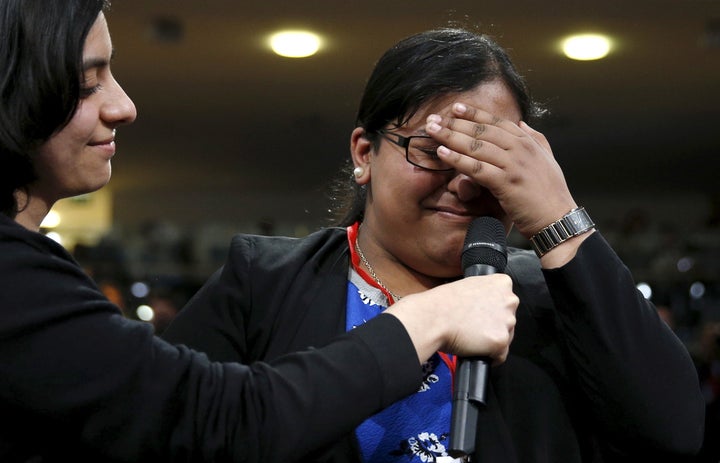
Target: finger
482, 172
456, 143
488, 128
473, 114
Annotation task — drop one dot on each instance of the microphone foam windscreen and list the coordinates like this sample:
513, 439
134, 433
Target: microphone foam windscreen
485, 244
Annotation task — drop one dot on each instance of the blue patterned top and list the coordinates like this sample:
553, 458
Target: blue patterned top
415, 429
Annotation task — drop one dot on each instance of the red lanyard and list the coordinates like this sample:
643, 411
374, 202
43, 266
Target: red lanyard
352, 232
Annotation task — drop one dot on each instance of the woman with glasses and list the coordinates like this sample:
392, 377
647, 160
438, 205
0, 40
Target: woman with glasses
592, 374
80, 383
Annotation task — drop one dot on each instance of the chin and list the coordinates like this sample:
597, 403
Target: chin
95, 186
450, 265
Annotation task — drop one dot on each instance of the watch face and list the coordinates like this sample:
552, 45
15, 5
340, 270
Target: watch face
579, 220
576, 220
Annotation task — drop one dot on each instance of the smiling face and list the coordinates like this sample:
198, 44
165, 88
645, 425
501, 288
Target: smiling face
76, 159
419, 218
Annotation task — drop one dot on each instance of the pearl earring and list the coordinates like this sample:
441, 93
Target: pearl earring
358, 172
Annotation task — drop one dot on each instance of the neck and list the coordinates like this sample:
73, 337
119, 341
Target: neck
33, 210
397, 278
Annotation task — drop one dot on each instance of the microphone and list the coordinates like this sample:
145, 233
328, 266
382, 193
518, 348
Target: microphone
484, 253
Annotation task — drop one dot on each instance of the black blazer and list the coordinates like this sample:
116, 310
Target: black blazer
593, 373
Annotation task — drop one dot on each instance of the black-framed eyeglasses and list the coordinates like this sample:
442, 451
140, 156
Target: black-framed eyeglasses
420, 150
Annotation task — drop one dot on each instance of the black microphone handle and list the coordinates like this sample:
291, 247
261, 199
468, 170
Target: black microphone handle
469, 391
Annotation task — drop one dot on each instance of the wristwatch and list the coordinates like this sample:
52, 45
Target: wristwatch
574, 223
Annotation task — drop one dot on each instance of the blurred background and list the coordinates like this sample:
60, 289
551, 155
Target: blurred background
233, 138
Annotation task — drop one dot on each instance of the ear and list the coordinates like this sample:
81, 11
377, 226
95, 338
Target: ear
361, 150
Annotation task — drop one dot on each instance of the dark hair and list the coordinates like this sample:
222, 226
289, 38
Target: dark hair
41, 52
417, 70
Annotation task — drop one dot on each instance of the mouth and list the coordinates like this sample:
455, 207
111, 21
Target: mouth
454, 211
104, 142
104, 147
110, 141
460, 214
453, 215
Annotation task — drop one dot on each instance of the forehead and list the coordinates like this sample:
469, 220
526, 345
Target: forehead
494, 97
98, 41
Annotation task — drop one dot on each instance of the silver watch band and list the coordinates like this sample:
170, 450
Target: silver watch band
574, 223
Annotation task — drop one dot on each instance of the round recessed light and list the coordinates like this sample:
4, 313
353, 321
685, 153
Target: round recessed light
586, 47
295, 44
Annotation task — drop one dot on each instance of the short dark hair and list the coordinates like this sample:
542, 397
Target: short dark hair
415, 71
41, 52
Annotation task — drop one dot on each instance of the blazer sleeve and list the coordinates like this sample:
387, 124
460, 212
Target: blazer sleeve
641, 383
72, 366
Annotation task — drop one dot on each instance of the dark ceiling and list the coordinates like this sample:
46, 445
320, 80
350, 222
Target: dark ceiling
227, 128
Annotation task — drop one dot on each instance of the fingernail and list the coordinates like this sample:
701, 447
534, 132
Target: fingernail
442, 150
434, 118
432, 127
459, 108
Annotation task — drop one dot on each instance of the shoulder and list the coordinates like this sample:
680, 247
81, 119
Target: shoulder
20, 246
30, 260
280, 251
288, 242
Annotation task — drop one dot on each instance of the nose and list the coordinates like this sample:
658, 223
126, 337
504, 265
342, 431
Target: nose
464, 187
119, 109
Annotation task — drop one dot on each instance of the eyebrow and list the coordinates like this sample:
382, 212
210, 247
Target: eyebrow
97, 62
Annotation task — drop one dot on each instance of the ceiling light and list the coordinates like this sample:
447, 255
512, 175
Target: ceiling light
586, 47
295, 44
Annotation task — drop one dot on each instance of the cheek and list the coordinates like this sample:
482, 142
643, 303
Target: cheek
82, 124
53, 152
423, 184
406, 191
78, 132
400, 184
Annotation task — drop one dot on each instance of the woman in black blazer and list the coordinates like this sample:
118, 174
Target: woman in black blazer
593, 374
